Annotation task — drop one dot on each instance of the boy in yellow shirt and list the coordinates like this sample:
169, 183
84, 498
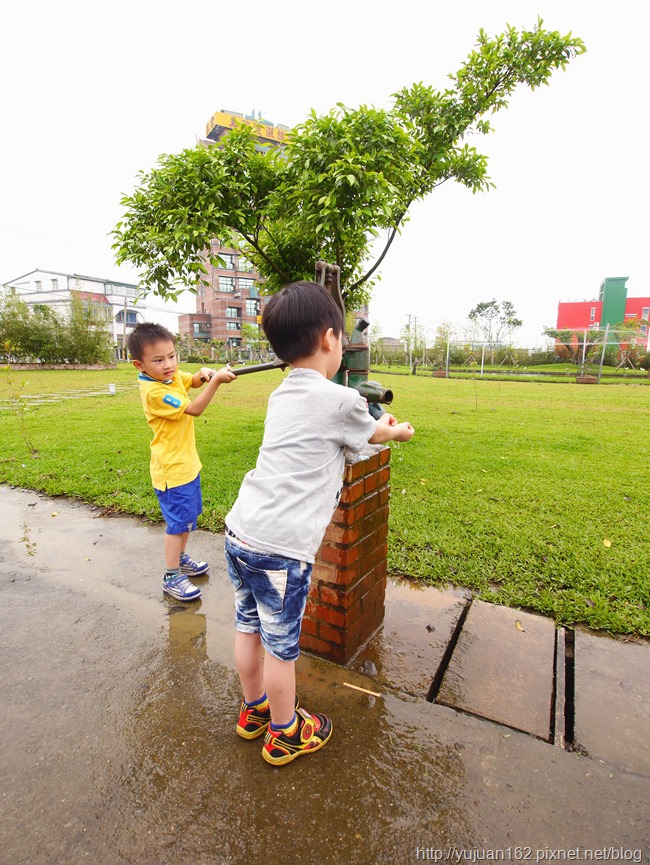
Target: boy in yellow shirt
175, 463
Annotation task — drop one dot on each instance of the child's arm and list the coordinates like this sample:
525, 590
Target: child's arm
388, 429
223, 376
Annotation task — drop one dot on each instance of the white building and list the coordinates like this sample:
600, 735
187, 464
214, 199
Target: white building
118, 300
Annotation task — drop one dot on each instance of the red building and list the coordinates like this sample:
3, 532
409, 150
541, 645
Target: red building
612, 308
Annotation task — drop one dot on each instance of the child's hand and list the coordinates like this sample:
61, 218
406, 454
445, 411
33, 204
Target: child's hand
403, 432
225, 375
207, 373
389, 419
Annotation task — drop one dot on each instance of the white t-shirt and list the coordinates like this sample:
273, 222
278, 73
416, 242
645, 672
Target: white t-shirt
286, 502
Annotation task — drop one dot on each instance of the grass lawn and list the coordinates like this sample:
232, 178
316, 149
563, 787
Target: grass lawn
534, 495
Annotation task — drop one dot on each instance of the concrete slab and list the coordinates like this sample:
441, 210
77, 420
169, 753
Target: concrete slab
410, 646
502, 669
612, 710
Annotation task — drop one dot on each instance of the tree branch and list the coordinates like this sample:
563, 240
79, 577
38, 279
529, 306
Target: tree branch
391, 238
254, 243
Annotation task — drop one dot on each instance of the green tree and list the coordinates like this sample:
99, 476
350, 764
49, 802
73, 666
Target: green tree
86, 329
254, 340
496, 321
375, 335
41, 333
631, 337
342, 180
570, 344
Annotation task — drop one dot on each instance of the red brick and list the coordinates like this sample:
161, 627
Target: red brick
338, 654
344, 535
333, 635
323, 572
347, 599
368, 601
376, 556
378, 479
384, 456
370, 617
381, 533
352, 492
328, 595
365, 549
337, 516
316, 645
359, 469
384, 496
332, 616
343, 576
310, 626
342, 556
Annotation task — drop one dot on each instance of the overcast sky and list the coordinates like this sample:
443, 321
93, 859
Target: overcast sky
93, 93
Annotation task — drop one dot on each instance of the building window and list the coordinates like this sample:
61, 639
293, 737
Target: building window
252, 307
228, 259
592, 314
226, 283
244, 265
645, 315
131, 318
201, 329
39, 285
55, 285
232, 325
245, 284
233, 312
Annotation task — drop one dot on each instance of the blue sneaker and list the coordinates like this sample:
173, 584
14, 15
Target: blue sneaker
194, 569
179, 587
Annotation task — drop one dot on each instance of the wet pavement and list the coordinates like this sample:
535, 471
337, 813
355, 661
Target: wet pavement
119, 708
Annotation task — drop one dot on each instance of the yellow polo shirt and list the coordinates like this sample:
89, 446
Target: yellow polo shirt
174, 458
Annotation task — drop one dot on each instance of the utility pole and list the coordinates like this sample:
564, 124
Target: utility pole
602, 353
410, 343
124, 327
414, 341
584, 352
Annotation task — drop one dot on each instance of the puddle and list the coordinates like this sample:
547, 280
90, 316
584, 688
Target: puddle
119, 745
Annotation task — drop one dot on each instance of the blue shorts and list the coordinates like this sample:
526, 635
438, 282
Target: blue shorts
181, 506
270, 597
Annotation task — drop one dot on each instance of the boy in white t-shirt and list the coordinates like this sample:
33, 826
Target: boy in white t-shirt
284, 506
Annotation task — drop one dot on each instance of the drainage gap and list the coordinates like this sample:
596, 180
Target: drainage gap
558, 698
570, 689
446, 658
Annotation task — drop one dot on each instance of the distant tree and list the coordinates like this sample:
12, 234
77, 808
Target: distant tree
342, 180
495, 321
376, 347
570, 344
254, 340
42, 334
631, 335
85, 329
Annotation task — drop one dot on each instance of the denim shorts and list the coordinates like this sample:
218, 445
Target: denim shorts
181, 506
270, 597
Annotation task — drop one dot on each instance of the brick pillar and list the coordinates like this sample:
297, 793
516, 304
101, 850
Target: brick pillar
346, 599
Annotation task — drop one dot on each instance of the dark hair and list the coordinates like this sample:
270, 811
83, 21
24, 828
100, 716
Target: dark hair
147, 333
295, 319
